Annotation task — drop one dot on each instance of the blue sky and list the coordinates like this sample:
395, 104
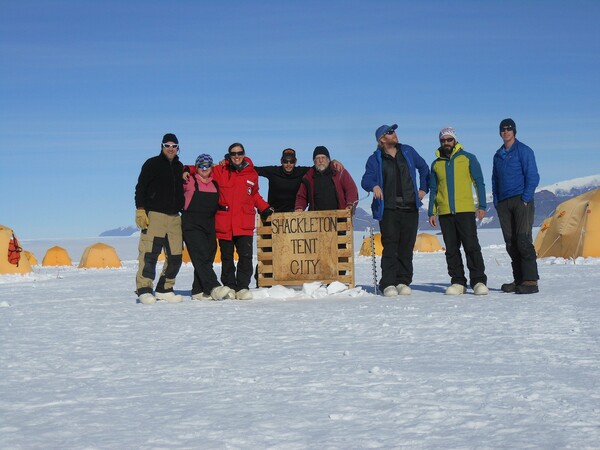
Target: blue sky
88, 88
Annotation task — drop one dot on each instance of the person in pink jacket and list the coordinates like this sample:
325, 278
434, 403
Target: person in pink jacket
235, 220
201, 195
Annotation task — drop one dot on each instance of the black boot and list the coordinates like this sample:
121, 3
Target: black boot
509, 287
527, 287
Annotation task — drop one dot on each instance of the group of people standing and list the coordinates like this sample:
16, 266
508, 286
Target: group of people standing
391, 174
218, 202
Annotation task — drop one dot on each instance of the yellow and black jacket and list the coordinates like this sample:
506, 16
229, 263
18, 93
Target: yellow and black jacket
452, 181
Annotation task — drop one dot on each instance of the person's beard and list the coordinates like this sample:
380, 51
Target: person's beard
321, 167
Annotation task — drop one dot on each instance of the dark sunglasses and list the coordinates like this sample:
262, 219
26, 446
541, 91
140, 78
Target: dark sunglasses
170, 145
390, 132
446, 140
236, 153
288, 161
507, 128
204, 166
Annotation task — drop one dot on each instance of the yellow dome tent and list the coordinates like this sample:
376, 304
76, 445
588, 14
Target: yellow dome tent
365, 248
99, 256
31, 258
425, 243
57, 256
573, 230
185, 255
22, 267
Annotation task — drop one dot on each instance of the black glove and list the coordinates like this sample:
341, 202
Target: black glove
266, 213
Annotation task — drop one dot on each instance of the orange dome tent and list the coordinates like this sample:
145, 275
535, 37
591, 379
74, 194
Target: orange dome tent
99, 256
425, 243
365, 248
573, 230
22, 266
186, 255
31, 258
57, 256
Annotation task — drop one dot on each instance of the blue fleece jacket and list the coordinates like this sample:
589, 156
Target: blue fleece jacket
514, 173
373, 176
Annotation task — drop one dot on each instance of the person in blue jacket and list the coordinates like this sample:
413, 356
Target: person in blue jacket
514, 179
391, 174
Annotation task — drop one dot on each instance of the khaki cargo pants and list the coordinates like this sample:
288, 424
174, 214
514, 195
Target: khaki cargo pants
164, 231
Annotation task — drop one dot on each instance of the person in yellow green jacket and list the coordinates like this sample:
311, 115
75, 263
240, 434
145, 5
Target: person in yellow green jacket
454, 173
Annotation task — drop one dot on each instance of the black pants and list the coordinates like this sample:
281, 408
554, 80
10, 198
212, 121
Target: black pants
398, 235
201, 243
229, 277
461, 229
516, 220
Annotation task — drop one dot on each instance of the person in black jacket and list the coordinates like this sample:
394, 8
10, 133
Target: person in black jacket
158, 200
285, 180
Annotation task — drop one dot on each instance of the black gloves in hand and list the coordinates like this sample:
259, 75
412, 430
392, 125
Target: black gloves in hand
266, 213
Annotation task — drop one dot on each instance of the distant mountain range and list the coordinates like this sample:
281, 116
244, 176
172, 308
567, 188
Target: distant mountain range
121, 231
547, 198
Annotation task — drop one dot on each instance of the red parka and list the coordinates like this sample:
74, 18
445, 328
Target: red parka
238, 199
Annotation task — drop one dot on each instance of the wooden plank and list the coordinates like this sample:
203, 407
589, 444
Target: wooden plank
296, 248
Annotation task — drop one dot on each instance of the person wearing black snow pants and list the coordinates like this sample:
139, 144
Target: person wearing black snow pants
514, 179
454, 174
199, 234
516, 220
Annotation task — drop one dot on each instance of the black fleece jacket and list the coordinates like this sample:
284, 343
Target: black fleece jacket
160, 185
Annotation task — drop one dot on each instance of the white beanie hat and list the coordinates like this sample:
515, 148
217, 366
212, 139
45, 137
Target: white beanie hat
448, 131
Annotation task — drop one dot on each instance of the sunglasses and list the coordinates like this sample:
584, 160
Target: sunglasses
236, 153
446, 140
507, 128
288, 161
170, 145
390, 132
204, 166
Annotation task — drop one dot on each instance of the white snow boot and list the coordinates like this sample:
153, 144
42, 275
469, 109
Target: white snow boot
219, 292
147, 299
456, 289
390, 291
480, 289
403, 289
243, 294
201, 296
170, 297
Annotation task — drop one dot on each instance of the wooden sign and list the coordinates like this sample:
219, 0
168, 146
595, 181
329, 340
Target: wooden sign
301, 247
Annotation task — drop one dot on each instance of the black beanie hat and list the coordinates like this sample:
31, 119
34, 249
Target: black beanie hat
508, 123
170, 137
321, 150
288, 152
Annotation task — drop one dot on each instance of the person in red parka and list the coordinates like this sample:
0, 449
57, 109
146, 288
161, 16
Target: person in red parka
236, 216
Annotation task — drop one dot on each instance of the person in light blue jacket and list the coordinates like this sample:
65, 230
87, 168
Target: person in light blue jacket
391, 174
514, 180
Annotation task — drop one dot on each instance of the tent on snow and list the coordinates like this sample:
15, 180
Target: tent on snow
31, 258
425, 243
99, 256
573, 230
186, 255
57, 256
22, 266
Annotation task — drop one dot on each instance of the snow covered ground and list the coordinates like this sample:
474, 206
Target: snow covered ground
84, 366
